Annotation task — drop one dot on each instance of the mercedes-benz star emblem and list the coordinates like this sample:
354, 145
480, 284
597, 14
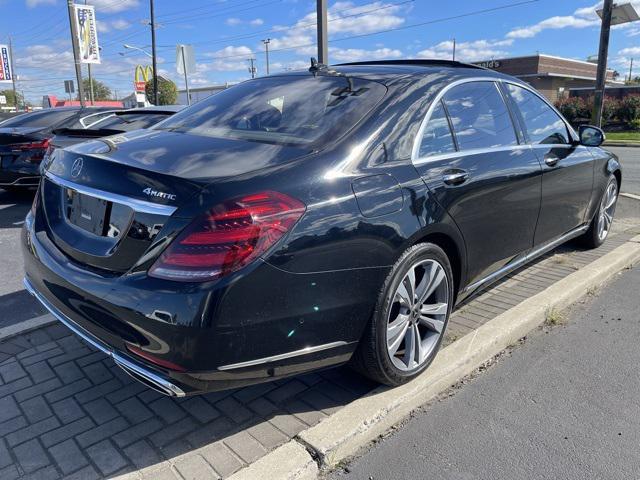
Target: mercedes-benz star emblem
76, 168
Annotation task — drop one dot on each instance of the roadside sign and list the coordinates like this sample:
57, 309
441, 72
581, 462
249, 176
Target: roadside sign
69, 86
185, 59
6, 69
87, 33
139, 86
3, 100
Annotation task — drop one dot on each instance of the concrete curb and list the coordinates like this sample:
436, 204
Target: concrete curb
621, 144
342, 434
630, 195
26, 326
290, 461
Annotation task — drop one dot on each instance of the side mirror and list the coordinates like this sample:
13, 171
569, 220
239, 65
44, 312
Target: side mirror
591, 136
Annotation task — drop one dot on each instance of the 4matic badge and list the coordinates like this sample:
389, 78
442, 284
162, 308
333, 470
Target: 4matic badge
155, 193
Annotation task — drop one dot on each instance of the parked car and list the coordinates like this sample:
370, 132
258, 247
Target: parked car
24, 139
307, 219
117, 122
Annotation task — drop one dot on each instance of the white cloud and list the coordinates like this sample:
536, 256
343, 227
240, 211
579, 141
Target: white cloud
112, 6
120, 24
228, 59
35, 3
581, 18
630, 51
357, 54
346, 17
468, 51
233, 21
256, 22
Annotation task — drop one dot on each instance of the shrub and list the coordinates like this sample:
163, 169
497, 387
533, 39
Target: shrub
629, 109
572, 108
635, 124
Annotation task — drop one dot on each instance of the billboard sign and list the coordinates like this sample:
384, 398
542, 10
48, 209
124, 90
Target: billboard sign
6, 69
87, 33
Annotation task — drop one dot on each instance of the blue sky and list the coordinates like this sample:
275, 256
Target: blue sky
225, 33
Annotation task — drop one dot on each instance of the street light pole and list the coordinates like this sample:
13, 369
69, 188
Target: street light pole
601, 77
252, 68
266, 51
323, 41
153, 54
76, 59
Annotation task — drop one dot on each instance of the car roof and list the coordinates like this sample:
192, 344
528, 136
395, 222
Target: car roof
389, 72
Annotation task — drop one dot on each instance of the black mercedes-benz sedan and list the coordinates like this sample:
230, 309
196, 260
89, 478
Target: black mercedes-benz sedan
308, 219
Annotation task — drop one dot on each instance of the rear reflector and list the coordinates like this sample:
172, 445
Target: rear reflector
153, 359
228, 237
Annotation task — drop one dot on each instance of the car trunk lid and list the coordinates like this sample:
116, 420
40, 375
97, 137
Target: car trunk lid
108, 203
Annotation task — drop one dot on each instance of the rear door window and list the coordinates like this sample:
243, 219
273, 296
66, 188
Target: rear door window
479, 116
437, 137
541, 123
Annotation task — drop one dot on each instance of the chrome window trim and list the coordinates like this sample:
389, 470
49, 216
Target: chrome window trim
140, 206
283, 356
416, 159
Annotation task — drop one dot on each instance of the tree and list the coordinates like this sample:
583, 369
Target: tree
167, 91
11, 101
100, 90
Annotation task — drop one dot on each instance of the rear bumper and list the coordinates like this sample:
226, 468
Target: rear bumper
19, 174
137, 371
259, 326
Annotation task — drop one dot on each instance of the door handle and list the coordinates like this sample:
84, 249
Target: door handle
551, 160
455, 177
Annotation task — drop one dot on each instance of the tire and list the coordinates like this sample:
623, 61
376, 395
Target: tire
374, 357
602, 220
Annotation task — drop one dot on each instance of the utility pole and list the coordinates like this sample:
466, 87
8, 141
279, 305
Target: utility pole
454, 49
631, 71
13, 74
153, 54
252, 68
266, 51
91, 96
601, 78
323, 42
184, 69
76, 58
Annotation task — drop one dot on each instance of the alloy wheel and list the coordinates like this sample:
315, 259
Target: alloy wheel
607, 209
417, 315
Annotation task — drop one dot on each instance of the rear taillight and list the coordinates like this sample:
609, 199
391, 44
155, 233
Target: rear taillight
37, 149
228, 237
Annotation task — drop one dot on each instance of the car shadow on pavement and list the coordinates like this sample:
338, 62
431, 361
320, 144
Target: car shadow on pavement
14, 207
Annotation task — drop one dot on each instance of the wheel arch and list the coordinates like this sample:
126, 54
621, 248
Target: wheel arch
452, 245
614, 167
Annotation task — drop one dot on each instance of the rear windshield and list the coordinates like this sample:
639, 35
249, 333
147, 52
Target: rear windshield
44, 118
281, 110
130, 121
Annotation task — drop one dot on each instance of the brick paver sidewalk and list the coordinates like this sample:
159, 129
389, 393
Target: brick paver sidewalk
66, 411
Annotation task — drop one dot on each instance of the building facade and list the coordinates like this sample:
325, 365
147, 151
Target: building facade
552, 76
